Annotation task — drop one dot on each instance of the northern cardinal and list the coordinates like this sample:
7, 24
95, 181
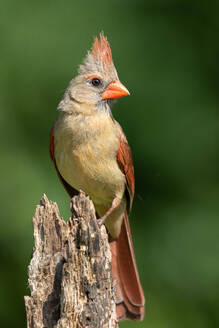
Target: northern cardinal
91, 153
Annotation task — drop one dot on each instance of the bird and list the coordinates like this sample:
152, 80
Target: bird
90, 152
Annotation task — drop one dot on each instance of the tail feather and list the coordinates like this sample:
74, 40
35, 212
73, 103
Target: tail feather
129, 294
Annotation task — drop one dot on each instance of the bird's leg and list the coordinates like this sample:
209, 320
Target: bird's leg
115, 203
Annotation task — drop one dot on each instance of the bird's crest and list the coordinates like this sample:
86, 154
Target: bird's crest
99, 58
101, 51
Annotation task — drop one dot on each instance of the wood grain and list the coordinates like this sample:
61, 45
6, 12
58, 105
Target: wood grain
70, 274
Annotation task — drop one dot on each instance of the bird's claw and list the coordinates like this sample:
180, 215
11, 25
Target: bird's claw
101, 221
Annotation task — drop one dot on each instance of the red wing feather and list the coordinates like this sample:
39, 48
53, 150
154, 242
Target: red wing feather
124, 159
130, 296
129, 293
51, 145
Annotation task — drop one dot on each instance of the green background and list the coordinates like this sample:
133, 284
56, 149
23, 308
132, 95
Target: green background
166, 54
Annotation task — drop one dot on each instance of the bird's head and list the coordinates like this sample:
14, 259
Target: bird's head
97, 82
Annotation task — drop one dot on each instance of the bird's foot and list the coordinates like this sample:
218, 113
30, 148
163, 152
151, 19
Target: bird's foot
115, 203
101, 221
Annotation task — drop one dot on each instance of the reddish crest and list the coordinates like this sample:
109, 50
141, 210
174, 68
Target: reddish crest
101, 50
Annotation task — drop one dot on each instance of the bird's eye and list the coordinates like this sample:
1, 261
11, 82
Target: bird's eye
96, 82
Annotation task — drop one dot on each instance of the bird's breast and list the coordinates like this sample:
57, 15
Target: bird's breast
85, 153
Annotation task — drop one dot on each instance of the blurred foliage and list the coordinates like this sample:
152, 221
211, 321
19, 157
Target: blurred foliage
166, 53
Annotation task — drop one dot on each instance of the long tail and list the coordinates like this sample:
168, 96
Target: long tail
129, 294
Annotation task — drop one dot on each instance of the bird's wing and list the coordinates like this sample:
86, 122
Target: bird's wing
129, 293
70, 190
124, 159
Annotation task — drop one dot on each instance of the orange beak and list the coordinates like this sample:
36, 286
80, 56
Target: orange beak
115, 90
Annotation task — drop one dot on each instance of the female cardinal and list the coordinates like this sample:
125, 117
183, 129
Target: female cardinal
90, 153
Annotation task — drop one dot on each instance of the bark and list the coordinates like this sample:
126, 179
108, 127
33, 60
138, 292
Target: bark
70, 275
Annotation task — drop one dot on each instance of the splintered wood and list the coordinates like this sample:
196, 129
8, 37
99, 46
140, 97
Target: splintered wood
70, 274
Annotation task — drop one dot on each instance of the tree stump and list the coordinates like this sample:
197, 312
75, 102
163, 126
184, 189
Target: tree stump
70, 274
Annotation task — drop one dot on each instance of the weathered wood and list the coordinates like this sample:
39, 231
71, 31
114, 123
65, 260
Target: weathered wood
70, 274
